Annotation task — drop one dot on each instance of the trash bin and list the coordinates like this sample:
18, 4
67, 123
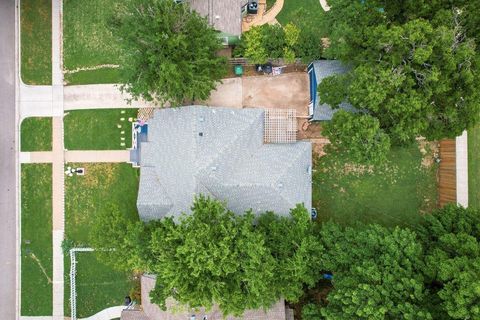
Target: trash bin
238, 69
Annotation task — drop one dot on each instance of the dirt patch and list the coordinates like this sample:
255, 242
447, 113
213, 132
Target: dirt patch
429, 150
286, 91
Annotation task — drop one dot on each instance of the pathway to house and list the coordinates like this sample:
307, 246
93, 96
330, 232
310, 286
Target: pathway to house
324, 5
107, 314
263, 17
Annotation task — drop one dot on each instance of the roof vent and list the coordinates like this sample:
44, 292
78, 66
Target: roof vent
214, 168
200, 134
201, 119
280, 185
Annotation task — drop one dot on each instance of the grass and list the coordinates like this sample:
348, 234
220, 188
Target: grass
392, 195
303, 13
474, 167
98, 285
36, 41
94, 76
96, 129
269, 4
36, 246
88, 42
36, 134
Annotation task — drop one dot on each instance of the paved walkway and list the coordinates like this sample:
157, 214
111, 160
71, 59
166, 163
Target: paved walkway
58, 190
97, 96
462, 169
36, 157
263, 17
36, 318
107, 314
324, 5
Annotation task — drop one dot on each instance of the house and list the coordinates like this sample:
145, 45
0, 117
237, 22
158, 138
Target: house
317, 71
225, 16
175, 311
221, 153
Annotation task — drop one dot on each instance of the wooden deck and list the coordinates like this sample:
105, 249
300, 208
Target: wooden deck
447, 183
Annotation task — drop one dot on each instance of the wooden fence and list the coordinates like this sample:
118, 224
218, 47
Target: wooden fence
447, 182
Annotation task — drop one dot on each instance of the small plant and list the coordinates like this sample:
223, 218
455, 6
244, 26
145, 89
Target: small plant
67, 244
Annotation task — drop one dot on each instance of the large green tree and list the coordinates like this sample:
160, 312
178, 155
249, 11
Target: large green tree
451, 237
419, 77
170, 51
216, 256
212, 256
358, 137
376, 273
296, 250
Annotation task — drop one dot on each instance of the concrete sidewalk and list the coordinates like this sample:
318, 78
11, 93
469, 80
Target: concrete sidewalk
107, 314
113, 156
97, 96
461, 147
36, 157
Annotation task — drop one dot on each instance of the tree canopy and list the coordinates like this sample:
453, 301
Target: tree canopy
376, 273
357, 136
170, 52
451, 237
243, 261
216, 256
417, 73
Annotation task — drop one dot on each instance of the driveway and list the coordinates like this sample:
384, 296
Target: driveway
286, 91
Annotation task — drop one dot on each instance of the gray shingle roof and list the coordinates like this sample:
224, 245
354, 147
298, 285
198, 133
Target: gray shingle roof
228, 161
324, 69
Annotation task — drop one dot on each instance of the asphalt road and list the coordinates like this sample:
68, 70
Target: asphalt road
7, 160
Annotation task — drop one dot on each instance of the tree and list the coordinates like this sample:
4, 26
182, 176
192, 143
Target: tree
376, 273
418, 77
295, 249
357, 135
267, 41
120, 242
213, 256
254, 46
170, 52
452, 240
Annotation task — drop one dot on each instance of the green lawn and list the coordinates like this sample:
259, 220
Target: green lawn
304, 13
36, 134
88, 41
474, 167
36, 41
98, 285
392, 195
97, 129
36, 246
107, 75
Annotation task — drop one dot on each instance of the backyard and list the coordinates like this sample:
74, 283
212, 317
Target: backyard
36, 246
88, 42
474, 167
98, 286
36, 41
304, 13
36, 134
97, 129
392, 194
